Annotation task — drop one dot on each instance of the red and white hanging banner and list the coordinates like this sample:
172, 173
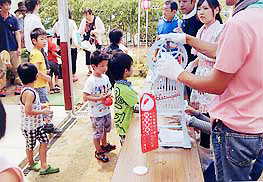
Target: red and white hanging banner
148, 118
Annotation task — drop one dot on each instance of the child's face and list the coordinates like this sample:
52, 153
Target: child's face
206, 14
41, 41
101, 68
5, 7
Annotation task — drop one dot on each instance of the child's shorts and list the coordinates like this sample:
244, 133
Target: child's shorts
43, 94
53, 68
33, 135
101, 125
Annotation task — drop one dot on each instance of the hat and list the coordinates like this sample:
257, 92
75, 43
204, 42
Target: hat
21, 7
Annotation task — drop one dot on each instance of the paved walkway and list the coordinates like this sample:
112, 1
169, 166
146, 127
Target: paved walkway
73, 152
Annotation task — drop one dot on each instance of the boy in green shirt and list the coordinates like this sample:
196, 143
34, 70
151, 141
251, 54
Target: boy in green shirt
125, 97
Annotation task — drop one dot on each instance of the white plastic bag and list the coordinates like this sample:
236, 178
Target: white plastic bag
88, 46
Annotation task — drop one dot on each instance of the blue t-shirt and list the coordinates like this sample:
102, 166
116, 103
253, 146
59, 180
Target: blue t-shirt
165, 27
8, 28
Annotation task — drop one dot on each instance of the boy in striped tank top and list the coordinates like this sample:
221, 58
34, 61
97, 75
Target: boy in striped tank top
32, 120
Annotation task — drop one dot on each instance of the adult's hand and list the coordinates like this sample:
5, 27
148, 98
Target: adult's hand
190, 67
169, 68
176, 37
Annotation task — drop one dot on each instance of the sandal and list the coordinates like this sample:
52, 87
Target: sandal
35, 166
57, 90
49, 170
108, 147
57, 87
52, 91
101, 156
75, 79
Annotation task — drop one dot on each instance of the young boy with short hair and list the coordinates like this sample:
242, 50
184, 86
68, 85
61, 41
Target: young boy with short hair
32, 120
39, 40
125, 97
96, 90
38, 37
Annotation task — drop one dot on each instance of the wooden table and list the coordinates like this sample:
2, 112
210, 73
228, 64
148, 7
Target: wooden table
164, 165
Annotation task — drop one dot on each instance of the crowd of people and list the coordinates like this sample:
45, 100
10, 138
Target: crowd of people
222, 78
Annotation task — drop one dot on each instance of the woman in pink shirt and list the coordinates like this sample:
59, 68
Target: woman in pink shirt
237, 79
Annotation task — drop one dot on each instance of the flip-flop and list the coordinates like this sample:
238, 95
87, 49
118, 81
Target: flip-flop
49, 170
35, 167
75, 79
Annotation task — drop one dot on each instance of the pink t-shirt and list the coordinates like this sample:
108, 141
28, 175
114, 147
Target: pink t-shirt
240, 52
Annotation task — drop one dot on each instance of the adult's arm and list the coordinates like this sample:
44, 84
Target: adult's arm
82, 26
215, 83
206, 48
18, 40
100, 29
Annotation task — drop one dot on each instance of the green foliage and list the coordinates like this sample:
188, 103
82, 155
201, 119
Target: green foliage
121, 14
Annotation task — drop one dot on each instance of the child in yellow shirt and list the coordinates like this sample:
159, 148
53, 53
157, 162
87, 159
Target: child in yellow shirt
39, 40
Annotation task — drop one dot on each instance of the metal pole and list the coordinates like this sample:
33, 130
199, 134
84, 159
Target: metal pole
65, 53
146, 28
139, 14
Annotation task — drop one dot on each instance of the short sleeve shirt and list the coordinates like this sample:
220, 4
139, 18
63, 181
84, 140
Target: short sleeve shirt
36, 56
52, 47
165, 27
240, 53
95, 86
125, 100
31, 22
8, 28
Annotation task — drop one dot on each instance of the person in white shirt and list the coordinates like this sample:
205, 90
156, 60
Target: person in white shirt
73, 29
92, 28
32, 21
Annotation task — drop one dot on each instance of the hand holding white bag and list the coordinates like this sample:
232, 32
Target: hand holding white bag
175, 37
169, 68
88, 46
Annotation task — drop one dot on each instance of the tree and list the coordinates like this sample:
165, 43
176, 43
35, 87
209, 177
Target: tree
121, 14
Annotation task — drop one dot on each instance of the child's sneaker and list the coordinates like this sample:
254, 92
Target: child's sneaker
57, 131
108, 147
101, 156
49, 170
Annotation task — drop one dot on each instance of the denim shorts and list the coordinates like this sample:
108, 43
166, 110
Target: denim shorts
235, 153
43, 94
101, 125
